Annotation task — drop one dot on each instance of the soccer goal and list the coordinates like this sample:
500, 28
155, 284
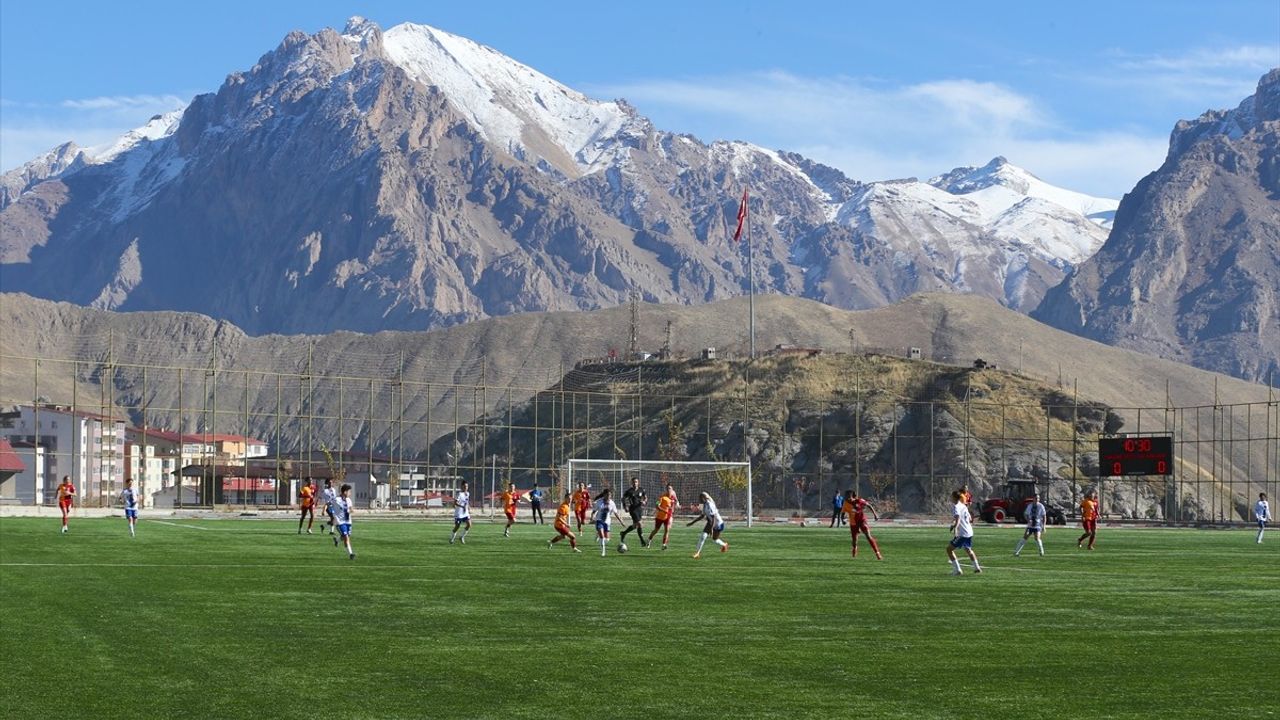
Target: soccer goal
728, 483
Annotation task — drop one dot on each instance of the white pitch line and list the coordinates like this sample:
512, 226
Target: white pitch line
181, 525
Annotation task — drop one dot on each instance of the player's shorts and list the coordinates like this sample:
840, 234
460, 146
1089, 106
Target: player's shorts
328, 510
65, 503
308, 509
562, 529
1262, 524
1090, 525
511, 514
581, 514
131, 513
459, 520
859, 522
662, 521
1033, 529
344, 528
958, 542
636, 515
602, 527
713, 528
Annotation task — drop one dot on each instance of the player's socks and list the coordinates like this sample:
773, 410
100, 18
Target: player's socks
453, 536
955, 567
976, 567
702, 539
1021, 544
1040, 545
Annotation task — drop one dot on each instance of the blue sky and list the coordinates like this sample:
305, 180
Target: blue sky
1083, 94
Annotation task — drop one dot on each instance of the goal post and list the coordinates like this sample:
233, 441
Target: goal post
728, 483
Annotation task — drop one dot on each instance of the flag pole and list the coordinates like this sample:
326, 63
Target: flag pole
751, 275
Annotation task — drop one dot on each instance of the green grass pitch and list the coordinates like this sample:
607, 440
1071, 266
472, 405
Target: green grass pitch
244, 618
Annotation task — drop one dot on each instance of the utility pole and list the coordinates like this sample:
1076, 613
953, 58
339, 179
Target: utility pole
666, 345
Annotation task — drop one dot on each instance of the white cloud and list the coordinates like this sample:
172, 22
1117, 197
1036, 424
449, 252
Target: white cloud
874, 131
124, 102
1248, 57
28, 129
1214, 77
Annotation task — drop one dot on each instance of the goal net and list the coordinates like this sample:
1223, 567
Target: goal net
728, 483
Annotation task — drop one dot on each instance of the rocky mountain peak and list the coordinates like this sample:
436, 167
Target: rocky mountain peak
1190, 270
1252, 112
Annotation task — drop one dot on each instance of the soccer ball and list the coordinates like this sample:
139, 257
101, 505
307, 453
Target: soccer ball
622, 548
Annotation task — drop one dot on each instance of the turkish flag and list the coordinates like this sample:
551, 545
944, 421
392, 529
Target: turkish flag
742, 217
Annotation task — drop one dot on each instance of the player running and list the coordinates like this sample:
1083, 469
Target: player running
510, 497
307, 499
1035, 525
66, 496
562, 525
633, 501
581, 504
461, 514
605, 509
342, 512
715, 524
129, 497
1262, 513
855, 508
1089, 518
328, 496
663, 515
961, 534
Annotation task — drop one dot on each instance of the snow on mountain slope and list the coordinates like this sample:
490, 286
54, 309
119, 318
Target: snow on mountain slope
159, 126
999, 185
513, 105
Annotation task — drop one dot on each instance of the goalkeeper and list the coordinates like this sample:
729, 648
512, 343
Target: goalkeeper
633, 501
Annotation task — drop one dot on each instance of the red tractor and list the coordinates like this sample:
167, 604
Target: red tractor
1012, 504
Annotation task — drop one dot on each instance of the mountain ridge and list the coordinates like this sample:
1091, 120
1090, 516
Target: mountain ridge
330, 187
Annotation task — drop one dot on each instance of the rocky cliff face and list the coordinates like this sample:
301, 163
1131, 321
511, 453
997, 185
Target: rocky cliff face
1191, 270
414, 179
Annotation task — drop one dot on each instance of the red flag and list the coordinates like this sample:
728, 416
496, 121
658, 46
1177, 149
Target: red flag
742, 216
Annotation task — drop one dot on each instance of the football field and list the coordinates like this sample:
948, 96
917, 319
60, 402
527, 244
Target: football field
245, 618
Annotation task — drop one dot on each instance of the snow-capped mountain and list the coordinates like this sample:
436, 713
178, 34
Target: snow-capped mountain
408, 179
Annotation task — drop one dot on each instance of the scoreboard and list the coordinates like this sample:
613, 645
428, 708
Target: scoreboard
1135, 456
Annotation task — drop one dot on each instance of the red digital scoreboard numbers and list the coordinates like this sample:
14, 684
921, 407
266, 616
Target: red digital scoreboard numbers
1135, 456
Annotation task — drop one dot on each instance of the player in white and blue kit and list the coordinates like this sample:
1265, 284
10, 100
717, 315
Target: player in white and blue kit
129, 497
714, 526
1035, 525
342, 516
961, 535
328, 496
1261, 513
605, 510
461, 514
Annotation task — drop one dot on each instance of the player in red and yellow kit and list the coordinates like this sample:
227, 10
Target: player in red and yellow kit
581, 504
1089, 518
663, 513
562, 525
66, 495
855, 508
509, 499
307, 500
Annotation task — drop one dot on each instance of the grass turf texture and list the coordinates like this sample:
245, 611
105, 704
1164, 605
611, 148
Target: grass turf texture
238, 618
